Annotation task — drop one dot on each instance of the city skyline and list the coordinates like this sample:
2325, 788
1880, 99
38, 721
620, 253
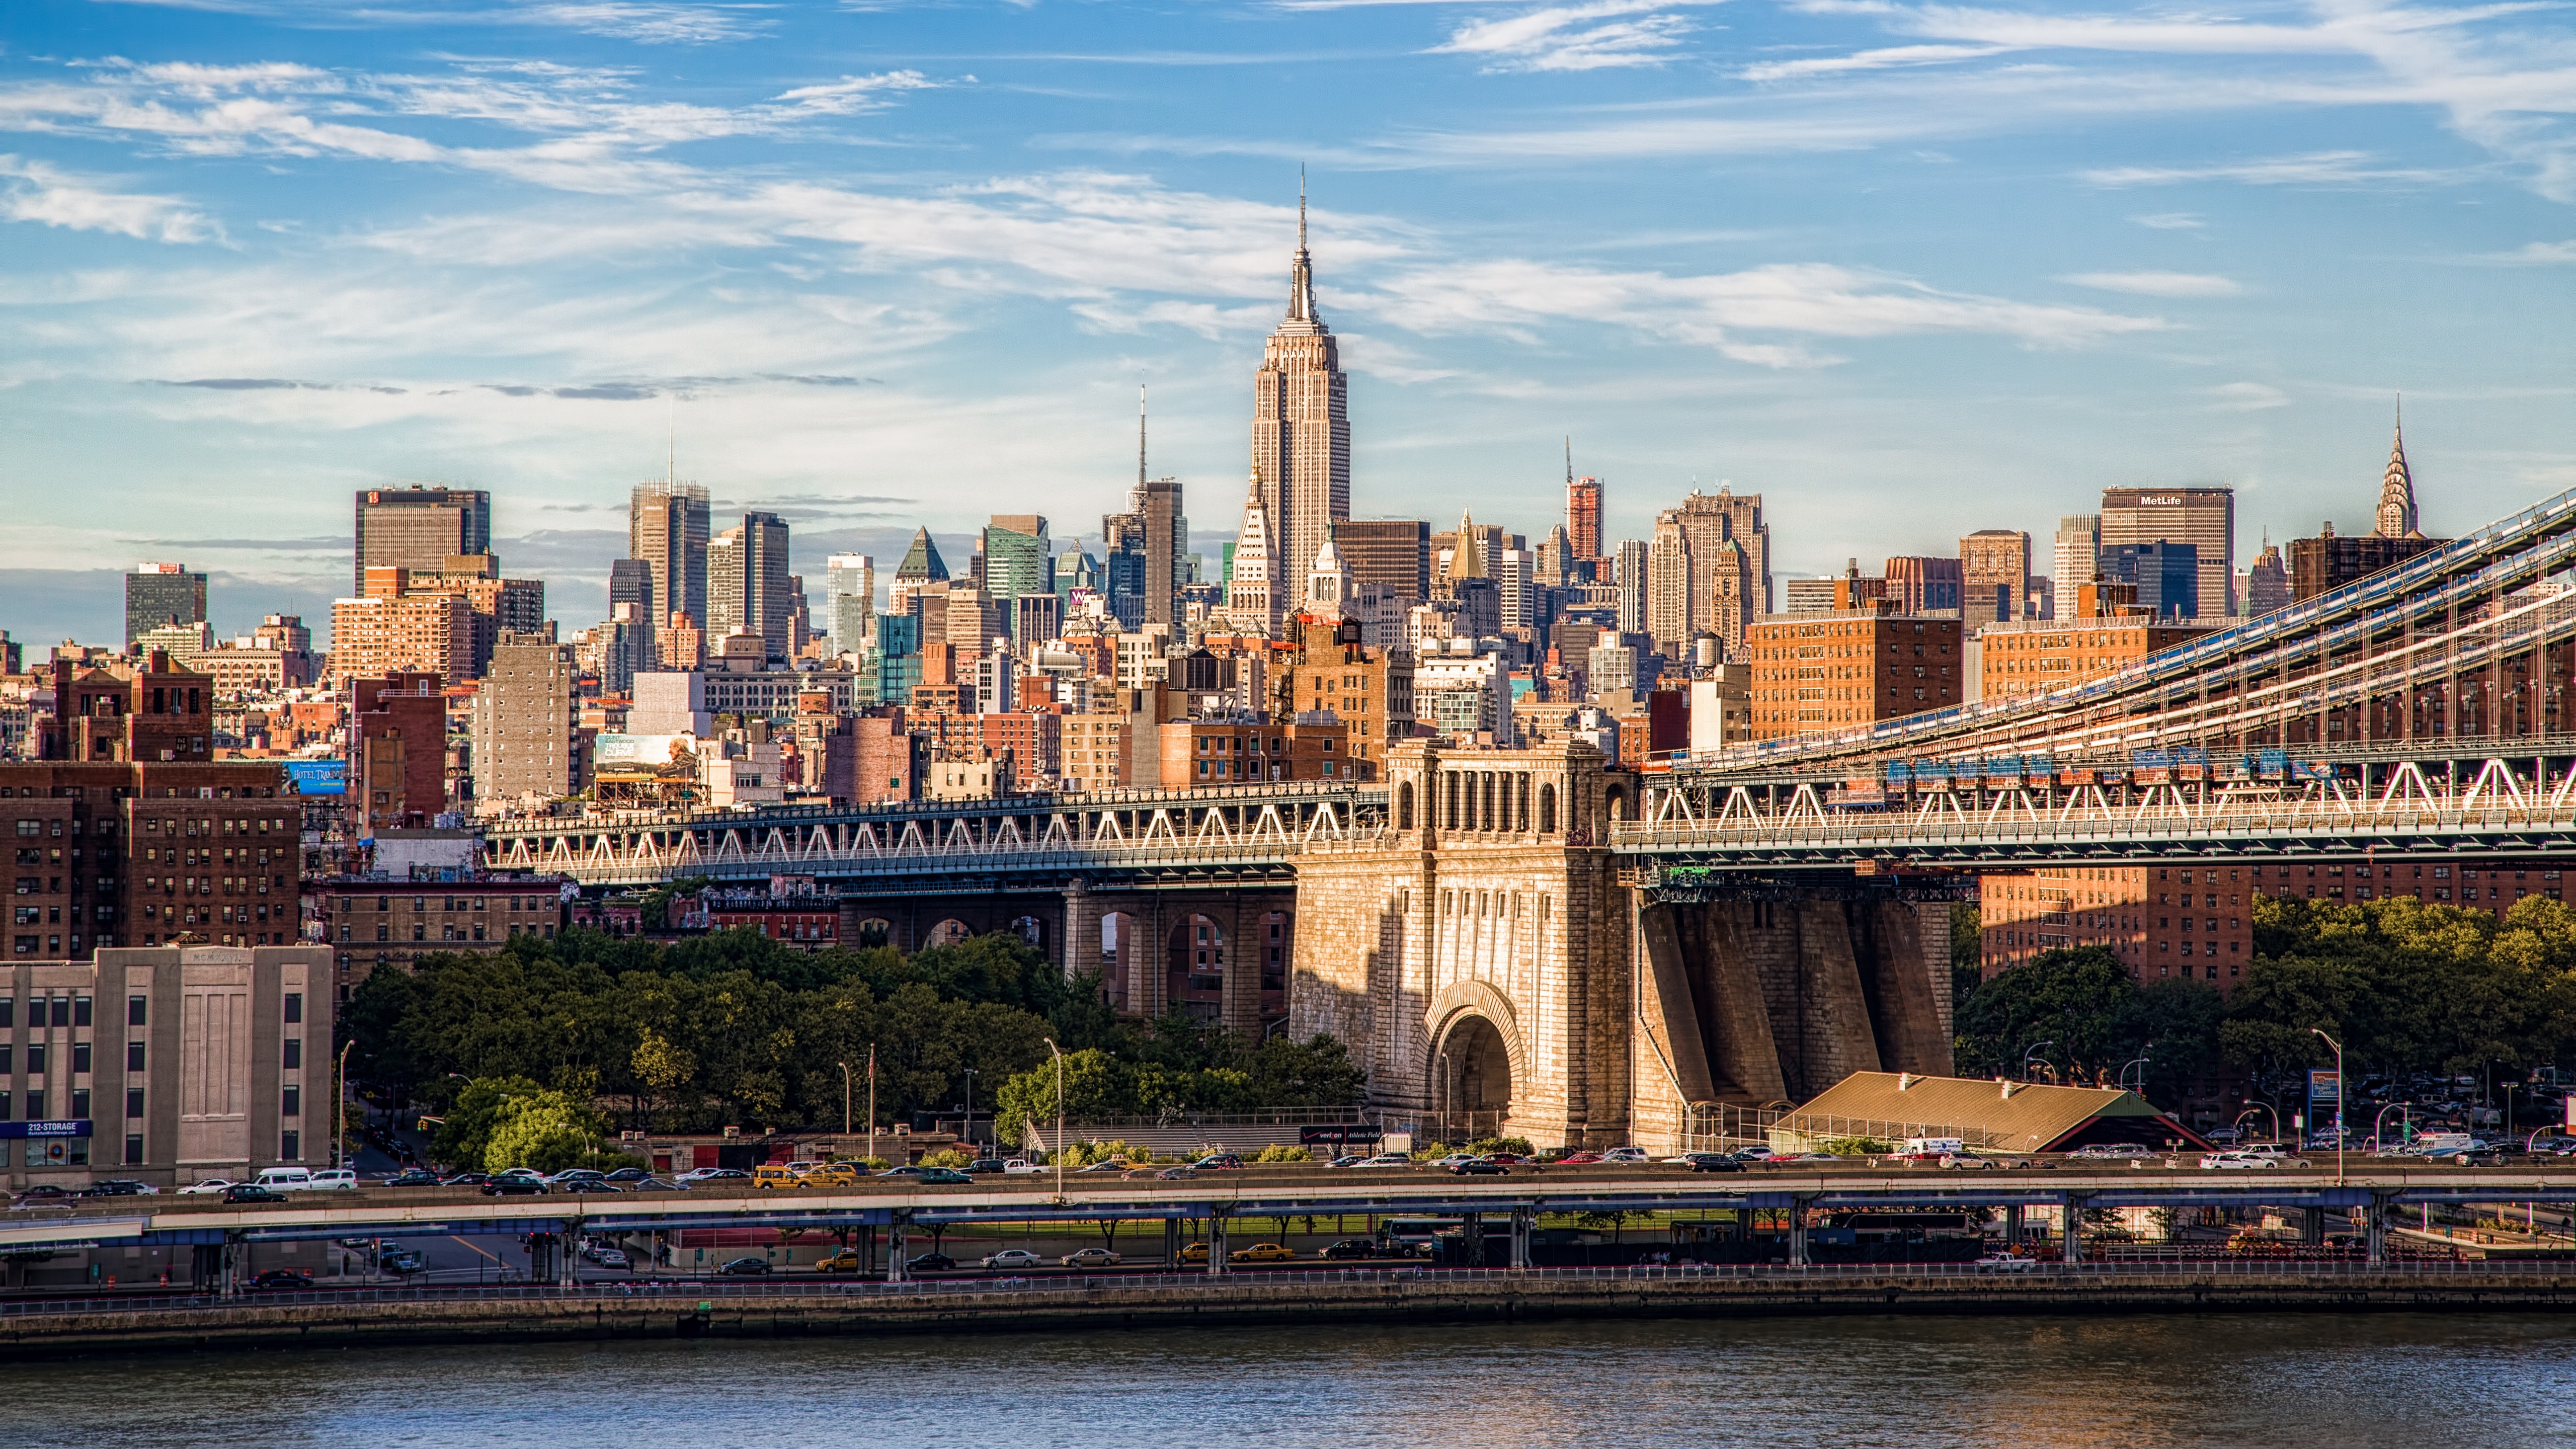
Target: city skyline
262, 261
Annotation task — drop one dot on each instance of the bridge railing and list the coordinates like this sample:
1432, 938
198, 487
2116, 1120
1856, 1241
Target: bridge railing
2215, 820
984, 860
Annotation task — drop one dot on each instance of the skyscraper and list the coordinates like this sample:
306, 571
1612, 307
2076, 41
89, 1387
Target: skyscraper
1018, 560
2205, 518
666, 527
1252, 591
1301, 430
850, 600
630, 581
2075, 555
1632, 565
1391, 552
921, 567
418, 528
748, 588
161, 594
2397, 491
1582, 511
1708, 570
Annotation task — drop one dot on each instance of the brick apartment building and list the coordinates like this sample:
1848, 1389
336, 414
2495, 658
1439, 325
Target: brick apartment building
1814, 672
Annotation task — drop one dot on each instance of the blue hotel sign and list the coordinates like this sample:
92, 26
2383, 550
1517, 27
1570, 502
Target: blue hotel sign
44, 1129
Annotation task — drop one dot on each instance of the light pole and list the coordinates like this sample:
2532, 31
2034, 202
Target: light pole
2376, 1123
1442, 1099
340, 1106
845, 1098
2339, 1085
872, 1103
1058, 1153
2026, 1056
2252, 1107
970, 1106
2142, 1076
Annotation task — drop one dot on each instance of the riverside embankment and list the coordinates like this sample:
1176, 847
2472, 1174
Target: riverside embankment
1043, 1305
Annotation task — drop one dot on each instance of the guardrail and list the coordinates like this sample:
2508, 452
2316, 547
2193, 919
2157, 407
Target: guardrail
686, 1292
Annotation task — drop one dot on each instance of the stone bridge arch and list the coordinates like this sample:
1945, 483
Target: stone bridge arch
1479, 1064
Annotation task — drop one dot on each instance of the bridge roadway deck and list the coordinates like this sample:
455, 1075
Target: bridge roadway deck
168, 1222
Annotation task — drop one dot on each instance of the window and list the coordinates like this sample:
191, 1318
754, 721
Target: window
290, 1145
136, 1010
62, 1006
133, 1149
35, 1059
134, 1104
80, 1058
35, 1104
80, 1103
294, 1002
294, 1058
290, 1102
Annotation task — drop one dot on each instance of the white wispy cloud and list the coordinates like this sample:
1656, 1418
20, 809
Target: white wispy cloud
2158, 284
2171, 221
1597, 35
34, 191
2247, 397
648, 22
1807, 300
1887, 58
2541, 254
2315, 168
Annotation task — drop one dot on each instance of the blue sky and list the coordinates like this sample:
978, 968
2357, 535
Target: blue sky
1909, 270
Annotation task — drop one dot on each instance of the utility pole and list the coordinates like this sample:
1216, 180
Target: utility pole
1058, 1152
872, 1101
845, 1098
340, 1107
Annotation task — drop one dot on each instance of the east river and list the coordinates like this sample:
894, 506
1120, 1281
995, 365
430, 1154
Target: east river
2241, 1382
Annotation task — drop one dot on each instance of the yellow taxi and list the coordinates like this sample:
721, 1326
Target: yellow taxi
783, 1175
844, 1261
1262, 1253
835, 1174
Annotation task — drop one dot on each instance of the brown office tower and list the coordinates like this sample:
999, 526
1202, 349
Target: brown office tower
1582, 511
158, 595
126, 832
1818, 672
2202, 517
1301, 428
417, 528
1392, 552
1708, 571
666, 527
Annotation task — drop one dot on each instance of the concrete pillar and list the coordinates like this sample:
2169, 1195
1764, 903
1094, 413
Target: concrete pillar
1475, 1240
1171, 1244
228, 1278
565, 1245
1216, 1246
1522, 1220
895, 1245
2073, 1236
1906, 1018
2012, 1224
1798, 1233
2374, 1227
1836, 1025
1079, 950
1668, 1011
2312, 1225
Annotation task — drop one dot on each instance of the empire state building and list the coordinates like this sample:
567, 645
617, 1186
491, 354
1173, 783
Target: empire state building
1301, 427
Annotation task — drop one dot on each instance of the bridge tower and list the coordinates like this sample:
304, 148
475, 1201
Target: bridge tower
1473, 954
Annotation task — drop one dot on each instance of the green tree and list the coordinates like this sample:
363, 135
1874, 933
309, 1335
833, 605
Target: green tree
468, 1121
545, 1130
2080, 1000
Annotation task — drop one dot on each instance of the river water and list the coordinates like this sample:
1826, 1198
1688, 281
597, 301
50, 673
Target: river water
2231, 1382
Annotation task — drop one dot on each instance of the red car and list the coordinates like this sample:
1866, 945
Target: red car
1578, 1159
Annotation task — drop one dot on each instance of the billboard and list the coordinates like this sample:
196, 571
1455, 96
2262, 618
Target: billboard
647, 752
318, 777
2324, 1087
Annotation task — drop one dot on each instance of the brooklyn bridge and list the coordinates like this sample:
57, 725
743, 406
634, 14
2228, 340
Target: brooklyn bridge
1585, 954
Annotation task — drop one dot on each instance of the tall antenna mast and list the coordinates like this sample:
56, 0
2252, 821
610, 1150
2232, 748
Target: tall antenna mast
1140, 438
1569, 460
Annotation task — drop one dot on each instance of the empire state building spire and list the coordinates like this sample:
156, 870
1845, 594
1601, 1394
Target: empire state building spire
1301, 431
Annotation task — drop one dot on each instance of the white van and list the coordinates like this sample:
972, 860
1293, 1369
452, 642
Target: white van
2436, 1144
1935, 1147
341, 1178
286, 1179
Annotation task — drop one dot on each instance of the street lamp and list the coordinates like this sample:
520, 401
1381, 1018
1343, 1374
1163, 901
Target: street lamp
1058, 1153
340, 1106
2252, 1107
872, 1103
2142, 1076
845, 1098
2381, 1120
2339, 1085
2026, 1056
970, 1105
1441, 1100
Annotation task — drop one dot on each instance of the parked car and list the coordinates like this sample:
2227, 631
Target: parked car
1013, 1258
1218, 1162
1176, 1174
1453, 1159
1578, 1159
467, 1179
611, 1258
1349, 1249
341, 1179
506, 1186
587, 1184
943, 1177
746, 1268
654, 1184
1481, 1167
1262, 1253
906, 1170
1020, 1167
1348, 1159
282, 1278
930, 1263
1385, 1159
697, 1175
206, 1188
569, 1174
1962, 1162
242, 1192
985, 1166
1089, 1258
411, 1177
2005, 1263
1711, 1162
402, 1261
629, 1174
1630, 1155
1107, 1164
119, 1187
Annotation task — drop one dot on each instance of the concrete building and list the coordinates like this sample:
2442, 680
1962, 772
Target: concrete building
666, 527
850, 595
2035, 656
2161, 921
524, 739
1812, 673
418, 528
748, 587
2205, 518
1114, 745
158, 594
397, 752
2267, 583
1632, 565
1921, 584
2075, 553
1392, 552
1207, 754
167, 1065
1301, 430
277, 656
1708, 569
2166, 577
390, 630
1994, 563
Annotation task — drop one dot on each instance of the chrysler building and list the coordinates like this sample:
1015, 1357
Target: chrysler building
1301, 428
